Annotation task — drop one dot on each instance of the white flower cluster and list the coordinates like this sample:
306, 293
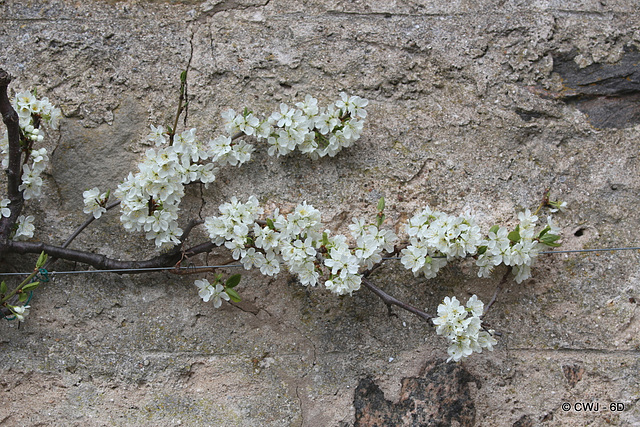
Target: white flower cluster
150, 198
464, 332
94, 202
208, 291
297, 240
31, 111
517, 248
436, 237
31, 181
28, 105
315, 131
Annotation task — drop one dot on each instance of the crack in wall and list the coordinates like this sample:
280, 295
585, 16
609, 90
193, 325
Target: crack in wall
186, 81
301, 408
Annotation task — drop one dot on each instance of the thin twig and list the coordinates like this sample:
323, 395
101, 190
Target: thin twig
89, 220
190, 226
389, 301
545, 200
181, 99
498, 290
76, 233
396, 250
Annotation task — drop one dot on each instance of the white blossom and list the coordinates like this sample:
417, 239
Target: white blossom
209, 292
157, 135
25, 228
462, 327
20, 311
4, 208
94, 202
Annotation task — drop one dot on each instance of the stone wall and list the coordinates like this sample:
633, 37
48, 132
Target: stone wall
477, 105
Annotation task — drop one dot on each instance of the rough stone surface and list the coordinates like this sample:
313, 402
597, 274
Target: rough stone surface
606, 93
441, 398
460, 118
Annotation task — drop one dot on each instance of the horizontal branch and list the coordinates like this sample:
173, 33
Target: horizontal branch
102, 262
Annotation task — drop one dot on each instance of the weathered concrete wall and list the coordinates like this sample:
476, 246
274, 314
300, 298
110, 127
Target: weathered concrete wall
473, 104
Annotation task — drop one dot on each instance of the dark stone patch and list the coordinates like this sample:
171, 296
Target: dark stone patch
598, 79
611, 112
438, 398
528, 115
608, 94
547, 418
524, 421
573, 373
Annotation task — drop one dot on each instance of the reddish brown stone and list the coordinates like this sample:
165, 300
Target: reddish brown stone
438, 398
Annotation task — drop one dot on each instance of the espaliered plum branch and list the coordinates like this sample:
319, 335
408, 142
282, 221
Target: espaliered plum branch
13, 135
149, 200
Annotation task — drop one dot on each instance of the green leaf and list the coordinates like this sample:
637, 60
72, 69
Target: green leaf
325, 239
233, 295
381, 204
233, 281
183, 76
550, 240
381, 219
544, 231
514, 236
270, 224
22, 297
31, 286
550, 237
553, 245
41, 260
3, 288
481, 250
494, 229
